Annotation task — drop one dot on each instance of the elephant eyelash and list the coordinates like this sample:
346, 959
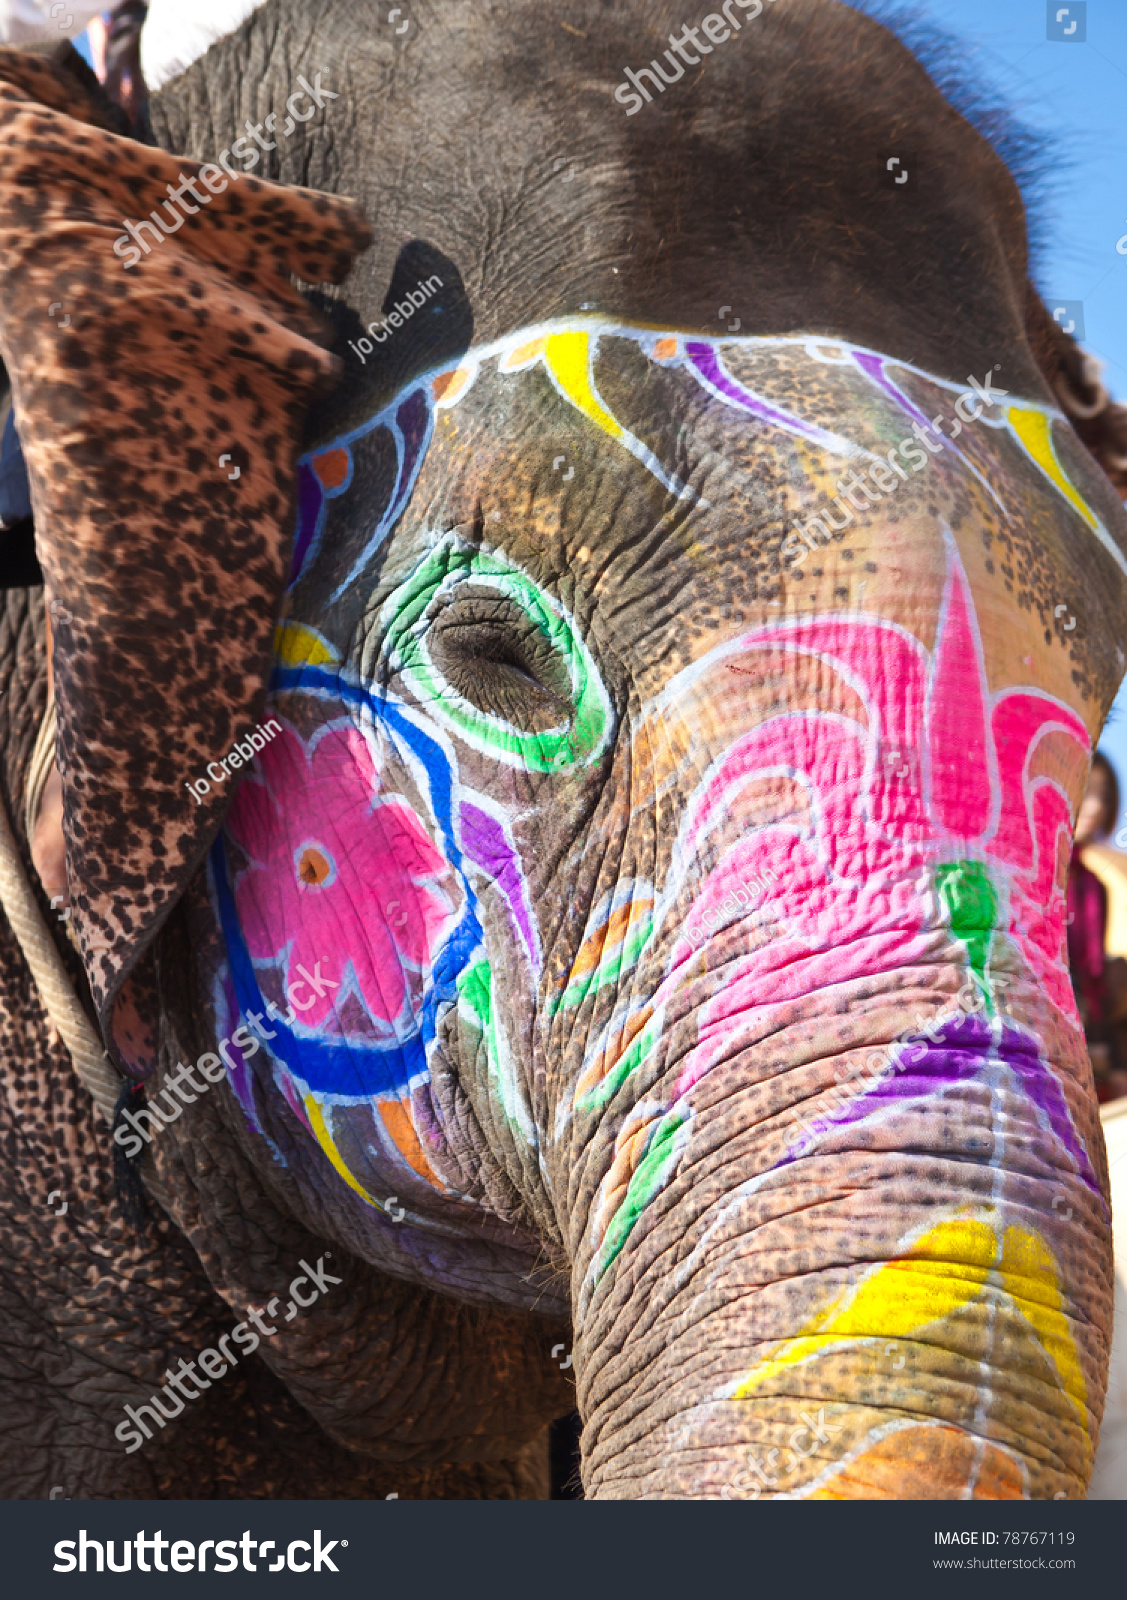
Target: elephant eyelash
498, 656
497, 659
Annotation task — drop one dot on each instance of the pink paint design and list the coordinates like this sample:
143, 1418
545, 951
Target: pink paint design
339, 875
856, 890
963, 786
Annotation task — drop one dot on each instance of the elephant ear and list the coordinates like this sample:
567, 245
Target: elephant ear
1074, 377
165, 568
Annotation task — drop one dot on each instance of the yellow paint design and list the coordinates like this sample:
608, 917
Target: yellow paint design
295, 644
943, 1271
325, 1140
1029, 1274
567, 357
1035, 430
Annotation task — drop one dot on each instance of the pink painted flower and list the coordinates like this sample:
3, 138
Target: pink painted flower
931, 801
341, 875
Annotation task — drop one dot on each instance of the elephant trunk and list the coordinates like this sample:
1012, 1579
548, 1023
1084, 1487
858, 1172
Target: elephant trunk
852, 1245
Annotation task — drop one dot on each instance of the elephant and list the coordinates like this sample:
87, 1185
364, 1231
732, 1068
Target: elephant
541, 773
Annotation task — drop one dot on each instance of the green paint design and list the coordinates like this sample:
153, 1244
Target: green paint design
609, 969
576, 742
475, 995
477, 1006
971, 903
650, 1177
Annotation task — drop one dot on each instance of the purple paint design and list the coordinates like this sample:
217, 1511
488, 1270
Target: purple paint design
310, 510
873, 368
414, 418
707, 363
959, 1052
411, 431
240, 1077
484, 842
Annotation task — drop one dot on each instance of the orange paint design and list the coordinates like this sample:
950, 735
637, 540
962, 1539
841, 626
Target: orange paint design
927, 1463
523, 355
449, 385
665, 349
331, 468
631, 1147
401, 1130
612, 932
616, 1046
313, 868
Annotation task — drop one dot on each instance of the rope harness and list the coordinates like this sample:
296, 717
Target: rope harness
49, 975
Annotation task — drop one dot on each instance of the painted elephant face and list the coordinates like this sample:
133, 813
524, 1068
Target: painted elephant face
663, 853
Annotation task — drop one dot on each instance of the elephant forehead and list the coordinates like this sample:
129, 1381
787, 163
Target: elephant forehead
747, 465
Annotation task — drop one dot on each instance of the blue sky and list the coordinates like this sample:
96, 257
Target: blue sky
1077, 94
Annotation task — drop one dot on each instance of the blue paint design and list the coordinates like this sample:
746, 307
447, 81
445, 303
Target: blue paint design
349, 1071
411, 425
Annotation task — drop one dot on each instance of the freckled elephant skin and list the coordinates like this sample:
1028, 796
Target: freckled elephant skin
649, 910
225, 350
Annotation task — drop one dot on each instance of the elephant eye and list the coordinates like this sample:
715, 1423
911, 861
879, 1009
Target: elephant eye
494, 655
496, 659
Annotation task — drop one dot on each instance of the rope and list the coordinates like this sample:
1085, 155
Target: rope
56, 992
39, 769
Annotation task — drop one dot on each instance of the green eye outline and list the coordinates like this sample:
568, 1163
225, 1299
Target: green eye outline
578, 742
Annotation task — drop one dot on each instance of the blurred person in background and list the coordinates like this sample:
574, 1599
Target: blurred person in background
1097, 930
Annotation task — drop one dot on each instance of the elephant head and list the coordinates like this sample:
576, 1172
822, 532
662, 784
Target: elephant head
641, 896
690, 922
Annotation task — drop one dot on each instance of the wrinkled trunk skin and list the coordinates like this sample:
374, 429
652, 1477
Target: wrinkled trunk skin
841, 1205
876, 1313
